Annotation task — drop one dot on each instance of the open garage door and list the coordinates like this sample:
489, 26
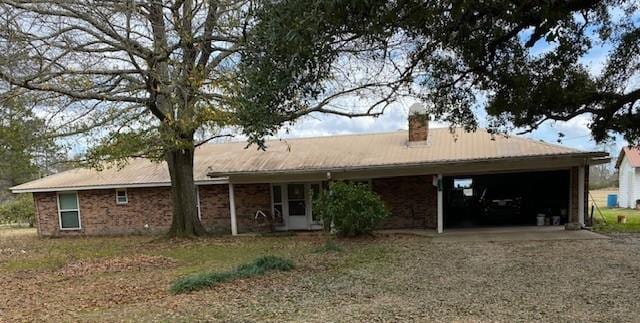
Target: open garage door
505, 199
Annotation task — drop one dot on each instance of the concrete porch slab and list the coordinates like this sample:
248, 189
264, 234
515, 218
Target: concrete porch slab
545, 233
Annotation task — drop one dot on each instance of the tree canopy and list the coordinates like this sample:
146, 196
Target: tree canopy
158, 78
26, 150
145, 78
524, 62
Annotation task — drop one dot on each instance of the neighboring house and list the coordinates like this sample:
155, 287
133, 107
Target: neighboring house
628, 166
429, 179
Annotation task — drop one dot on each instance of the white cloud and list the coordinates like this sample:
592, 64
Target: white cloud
394, 119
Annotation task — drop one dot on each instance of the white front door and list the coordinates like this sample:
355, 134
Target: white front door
293, 203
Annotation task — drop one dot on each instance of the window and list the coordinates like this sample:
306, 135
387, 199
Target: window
316, 190
276, 197
296, 200
121, 196
68, 211
198, 202
464, 184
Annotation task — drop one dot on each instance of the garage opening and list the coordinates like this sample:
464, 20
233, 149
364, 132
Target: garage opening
506, 199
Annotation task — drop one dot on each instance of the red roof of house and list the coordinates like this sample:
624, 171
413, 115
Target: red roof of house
633, 155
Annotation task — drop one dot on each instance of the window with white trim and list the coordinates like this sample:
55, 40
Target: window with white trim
121, 196
69, 211
277, 210
198, 202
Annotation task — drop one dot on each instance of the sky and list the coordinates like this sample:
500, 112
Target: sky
576, 132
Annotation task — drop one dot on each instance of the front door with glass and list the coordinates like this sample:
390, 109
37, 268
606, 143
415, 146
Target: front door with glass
297, 207
292, 205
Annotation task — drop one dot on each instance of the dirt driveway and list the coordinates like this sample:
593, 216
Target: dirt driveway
383, 279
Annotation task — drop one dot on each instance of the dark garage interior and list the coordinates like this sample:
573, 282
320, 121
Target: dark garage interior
506, 199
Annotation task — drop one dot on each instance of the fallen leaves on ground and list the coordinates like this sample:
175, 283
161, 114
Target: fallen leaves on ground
117, 264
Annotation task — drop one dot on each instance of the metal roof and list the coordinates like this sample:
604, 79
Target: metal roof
632, 154
213, 162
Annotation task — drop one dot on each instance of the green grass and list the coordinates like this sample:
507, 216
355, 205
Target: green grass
224, 255
329, 246
209, 279
611, 218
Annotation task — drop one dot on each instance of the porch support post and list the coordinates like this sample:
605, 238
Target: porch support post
440, 206
581, 195
232, 209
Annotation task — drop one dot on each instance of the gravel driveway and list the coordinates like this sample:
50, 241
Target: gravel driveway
390, 279
416, 279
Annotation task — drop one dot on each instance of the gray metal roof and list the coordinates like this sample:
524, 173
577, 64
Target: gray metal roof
310, 154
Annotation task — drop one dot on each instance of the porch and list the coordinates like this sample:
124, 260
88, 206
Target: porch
487, 234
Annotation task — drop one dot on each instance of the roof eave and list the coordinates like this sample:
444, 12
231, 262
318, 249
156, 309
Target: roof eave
17, 189
595, 157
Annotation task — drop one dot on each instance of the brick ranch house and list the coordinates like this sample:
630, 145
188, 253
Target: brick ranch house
429, 179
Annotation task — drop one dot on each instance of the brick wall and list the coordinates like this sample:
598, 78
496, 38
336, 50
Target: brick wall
574, 193
214, 208
100, 215
46, 213
418, 128
249, 199
411, 199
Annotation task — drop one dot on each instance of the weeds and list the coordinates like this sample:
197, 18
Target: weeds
209, 279
329, 246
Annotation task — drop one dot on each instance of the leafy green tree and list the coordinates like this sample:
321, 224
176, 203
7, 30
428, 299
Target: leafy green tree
18, 210
350, 209
144, 78
26, 153
26, 150
522, 61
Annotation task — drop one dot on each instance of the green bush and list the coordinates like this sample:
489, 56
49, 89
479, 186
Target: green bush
209, 279
350, 209
18, 210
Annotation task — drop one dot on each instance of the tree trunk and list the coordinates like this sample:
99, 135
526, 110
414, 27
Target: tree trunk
183, 192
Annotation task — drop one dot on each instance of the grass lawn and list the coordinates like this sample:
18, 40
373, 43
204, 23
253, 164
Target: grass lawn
610, 215
611, 218
399, 278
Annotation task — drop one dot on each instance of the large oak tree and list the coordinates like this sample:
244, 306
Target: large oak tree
158, 78
524, 62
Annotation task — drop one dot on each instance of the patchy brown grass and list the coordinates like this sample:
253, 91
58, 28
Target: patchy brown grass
381, 279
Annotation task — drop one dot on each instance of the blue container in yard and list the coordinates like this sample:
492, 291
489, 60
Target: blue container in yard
612, 200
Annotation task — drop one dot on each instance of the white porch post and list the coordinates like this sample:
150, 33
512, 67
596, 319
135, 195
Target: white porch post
440, 206
232, 209
581, 195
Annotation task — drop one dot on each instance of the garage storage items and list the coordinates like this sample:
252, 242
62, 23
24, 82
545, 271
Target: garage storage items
540, 219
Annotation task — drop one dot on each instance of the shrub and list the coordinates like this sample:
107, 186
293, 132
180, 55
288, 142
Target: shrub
209, 279
18, 210
350, 209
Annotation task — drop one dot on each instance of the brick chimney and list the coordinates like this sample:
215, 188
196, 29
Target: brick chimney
418, 123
